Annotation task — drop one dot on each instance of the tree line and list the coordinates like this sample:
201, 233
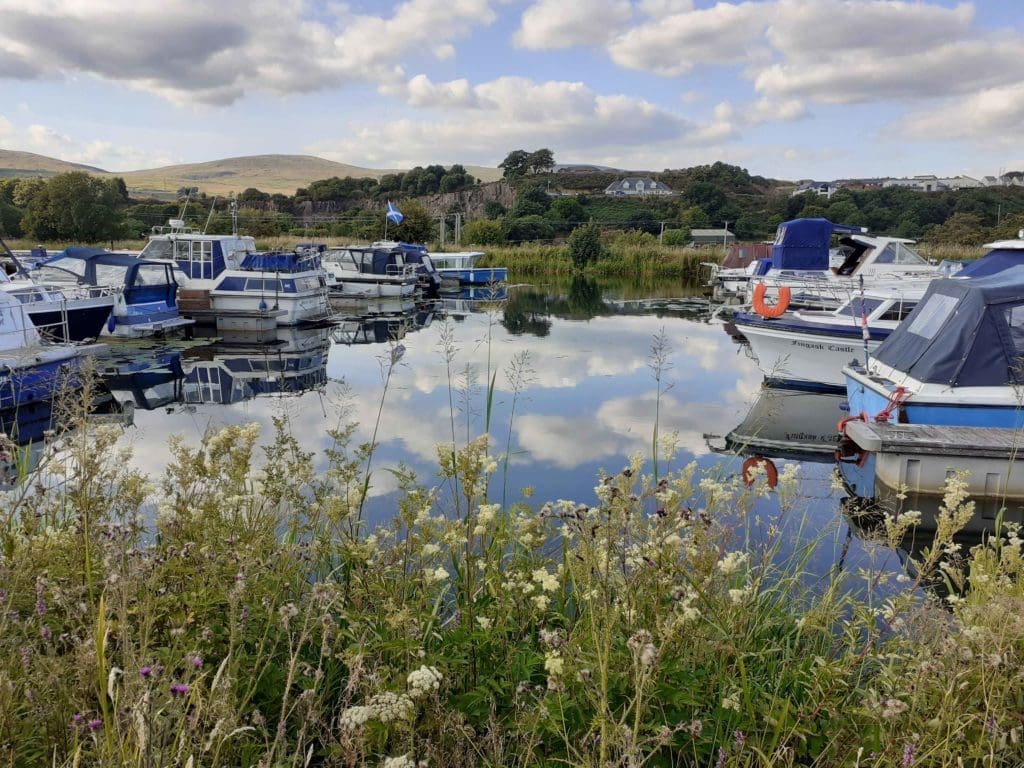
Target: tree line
547, 207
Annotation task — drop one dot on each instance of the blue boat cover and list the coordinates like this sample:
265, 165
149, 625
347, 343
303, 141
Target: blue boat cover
966, 333
992, 262
804, 243
280, 262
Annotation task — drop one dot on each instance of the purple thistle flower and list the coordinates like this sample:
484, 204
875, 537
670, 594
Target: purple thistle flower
76, 719
197, 662
179, 689
93, 725
145, 671
908, 755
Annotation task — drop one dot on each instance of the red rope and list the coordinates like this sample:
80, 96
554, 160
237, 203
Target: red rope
898, 396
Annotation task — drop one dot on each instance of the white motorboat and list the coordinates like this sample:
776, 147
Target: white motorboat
226, 274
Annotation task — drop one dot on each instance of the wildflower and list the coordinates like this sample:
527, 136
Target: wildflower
436, 574
94, 724
45, 633
553, 663
737, 595
197, 662
541, 601
430, 549
908, 755
893, 707
696, 727
487, 513
731, 702
739, 738
354, 717
484, 622
146, 671
76, 719
402, 761
424, 680
732, 562
389, 707
179, 689
720, 763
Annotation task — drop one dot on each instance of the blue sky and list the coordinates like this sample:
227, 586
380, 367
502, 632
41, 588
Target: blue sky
787, 88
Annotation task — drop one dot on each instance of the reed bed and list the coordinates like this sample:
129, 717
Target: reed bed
641, 261
254, 619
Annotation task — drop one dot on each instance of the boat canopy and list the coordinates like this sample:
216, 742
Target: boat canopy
992, 262
964, 333
804, 243
99, 267
281, 262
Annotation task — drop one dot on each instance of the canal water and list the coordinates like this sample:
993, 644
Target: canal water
575, 370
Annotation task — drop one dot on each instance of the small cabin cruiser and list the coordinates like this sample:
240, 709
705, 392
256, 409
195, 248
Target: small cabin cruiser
225, 274
811, 347
61, 312
30, 368
370, 271
802, 273
411, 253
461, 268
955, 361
144, 291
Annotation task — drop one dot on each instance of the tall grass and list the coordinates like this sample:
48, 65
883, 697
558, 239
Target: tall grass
251, 619
642, 261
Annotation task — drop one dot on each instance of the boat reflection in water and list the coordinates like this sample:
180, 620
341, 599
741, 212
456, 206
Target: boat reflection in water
223, 372
789, 423
377, 324
230, 373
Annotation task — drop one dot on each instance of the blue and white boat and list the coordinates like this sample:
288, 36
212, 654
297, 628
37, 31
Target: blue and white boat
369, 272
31, 369
802, 263
808, 347
145, 292
461, 268
957, 360
226, 274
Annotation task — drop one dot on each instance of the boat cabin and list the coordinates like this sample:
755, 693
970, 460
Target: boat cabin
963, 333
198, 256
141, 280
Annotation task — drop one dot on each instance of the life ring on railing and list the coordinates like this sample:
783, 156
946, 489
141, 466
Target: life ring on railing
771, 474
774, 310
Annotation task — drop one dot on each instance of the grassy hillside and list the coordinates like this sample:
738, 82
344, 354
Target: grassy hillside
14, 163
269, 173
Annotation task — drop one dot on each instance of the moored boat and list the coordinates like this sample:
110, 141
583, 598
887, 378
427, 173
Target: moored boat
32, 369
461, 267
145, 292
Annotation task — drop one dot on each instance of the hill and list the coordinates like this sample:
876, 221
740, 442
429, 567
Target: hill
14, 163
268, 173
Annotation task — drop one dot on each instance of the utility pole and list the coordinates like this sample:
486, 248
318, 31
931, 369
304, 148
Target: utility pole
442, 218
661, 235
458, 229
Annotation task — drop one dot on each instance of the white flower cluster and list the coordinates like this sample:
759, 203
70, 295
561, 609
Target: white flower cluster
732, 562
401, 761
423, 681
430, 549
435, 574
547, 581
553, 663
386, 707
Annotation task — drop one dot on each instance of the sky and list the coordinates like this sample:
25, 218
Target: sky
792, 89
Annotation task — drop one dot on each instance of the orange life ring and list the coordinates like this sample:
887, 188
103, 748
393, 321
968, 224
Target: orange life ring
771, 474
774, 310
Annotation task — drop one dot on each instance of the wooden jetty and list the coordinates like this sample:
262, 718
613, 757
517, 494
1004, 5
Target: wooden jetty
920, 457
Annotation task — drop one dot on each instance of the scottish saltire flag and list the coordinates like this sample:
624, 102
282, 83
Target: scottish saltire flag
394, 215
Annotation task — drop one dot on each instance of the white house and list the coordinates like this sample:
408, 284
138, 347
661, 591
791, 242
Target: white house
636, 185
824, 188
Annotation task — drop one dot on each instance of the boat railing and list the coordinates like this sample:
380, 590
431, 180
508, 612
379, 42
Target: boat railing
401, 270
58, 330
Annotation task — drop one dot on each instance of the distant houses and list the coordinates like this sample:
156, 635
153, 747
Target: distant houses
824, 188
637, 185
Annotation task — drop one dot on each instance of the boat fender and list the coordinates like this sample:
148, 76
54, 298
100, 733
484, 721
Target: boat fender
769, 311
859, 457
111, 323
771, 474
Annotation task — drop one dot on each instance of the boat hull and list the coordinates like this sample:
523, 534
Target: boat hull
474, 275
790, 356
86, 318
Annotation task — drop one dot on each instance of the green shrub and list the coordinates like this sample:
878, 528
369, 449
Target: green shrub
483, 232
585, 245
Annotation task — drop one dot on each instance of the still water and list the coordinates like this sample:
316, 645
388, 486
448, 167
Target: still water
573, 370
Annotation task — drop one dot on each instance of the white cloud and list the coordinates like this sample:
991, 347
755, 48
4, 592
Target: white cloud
44, 140
558, 24
516, 111
675, 44
993, 114
214, 53
767, 109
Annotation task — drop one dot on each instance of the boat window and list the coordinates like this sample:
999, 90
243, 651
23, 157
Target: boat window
932, 315
74, 266
202, 250
1015, 319
110, 274
266, 286
151, 274
887, 255
182, 250
158, 249
307, 283
898, 311
865, 306
905, 255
